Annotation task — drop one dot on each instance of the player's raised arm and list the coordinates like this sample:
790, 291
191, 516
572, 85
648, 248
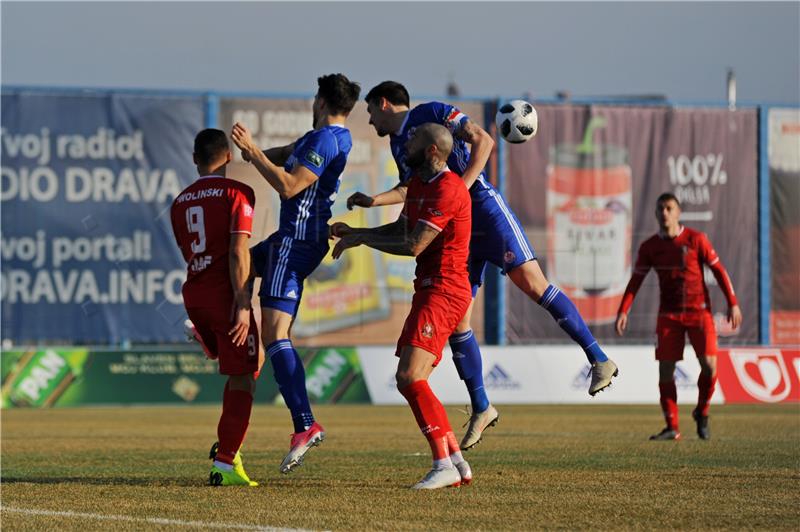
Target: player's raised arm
277, 155
481, 144
285, 183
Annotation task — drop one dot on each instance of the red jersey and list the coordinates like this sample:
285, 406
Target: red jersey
203, 217
444, 204
679, 264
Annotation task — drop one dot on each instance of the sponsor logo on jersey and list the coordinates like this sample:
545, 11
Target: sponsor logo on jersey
199, 264
292, 294
498, 379
314, 158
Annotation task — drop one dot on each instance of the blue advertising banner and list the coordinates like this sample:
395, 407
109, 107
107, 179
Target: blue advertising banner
88, 254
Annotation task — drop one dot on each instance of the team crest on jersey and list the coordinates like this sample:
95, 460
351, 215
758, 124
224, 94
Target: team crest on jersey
427, 330
314, 158
509, 257
248, 211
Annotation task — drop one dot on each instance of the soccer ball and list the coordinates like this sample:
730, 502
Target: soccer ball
517, 121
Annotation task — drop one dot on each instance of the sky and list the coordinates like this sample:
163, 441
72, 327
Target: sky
678, 49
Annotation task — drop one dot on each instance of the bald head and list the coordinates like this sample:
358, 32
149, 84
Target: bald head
428, 148
437, 135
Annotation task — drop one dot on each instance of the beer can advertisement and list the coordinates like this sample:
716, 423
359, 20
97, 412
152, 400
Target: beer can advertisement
585, 192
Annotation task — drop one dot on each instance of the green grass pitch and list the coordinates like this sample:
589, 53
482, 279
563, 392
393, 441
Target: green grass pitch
542, 467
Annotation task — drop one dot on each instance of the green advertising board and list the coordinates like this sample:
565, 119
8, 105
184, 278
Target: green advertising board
79, 376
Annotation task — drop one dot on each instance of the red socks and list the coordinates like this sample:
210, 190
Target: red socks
236, 408
430, 416
669, 403
705, 390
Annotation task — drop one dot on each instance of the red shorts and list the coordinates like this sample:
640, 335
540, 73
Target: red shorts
433, 318
213, 324
671, 330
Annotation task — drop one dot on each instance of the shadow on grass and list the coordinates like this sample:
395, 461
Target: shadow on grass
312, 483
192, 482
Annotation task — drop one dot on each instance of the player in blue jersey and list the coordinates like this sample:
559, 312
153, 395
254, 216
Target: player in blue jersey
497, 237
306, 175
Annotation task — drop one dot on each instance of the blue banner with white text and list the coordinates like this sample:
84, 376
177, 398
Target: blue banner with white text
88, 254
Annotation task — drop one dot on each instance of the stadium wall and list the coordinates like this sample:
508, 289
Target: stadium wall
88, 175
63, 377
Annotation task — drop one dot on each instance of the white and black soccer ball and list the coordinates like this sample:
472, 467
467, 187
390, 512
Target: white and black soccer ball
517, 121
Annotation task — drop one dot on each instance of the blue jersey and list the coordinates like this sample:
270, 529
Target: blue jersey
497, 235
323, 151
453, 119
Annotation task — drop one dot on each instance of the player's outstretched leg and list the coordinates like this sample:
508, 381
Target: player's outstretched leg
467, 359
291, 378
237, 403
530, 279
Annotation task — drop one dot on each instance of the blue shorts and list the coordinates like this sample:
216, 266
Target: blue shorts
497, 237
283, 264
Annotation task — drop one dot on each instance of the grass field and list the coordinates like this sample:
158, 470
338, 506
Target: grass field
582, 467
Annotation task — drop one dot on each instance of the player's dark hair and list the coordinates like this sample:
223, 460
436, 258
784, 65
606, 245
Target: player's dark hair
339, 93
210, 145
666, 196
394, 93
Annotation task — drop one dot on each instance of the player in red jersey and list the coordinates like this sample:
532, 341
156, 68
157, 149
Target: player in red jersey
678, 255
212, 221
434, 227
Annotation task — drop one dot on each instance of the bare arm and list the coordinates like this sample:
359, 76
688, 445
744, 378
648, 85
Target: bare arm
239, 266
481, 144
392, 238
390, 197
279, 155
285, 183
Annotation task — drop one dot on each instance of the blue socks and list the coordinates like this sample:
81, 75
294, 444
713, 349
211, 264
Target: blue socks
291, 378
467, 358
566, 315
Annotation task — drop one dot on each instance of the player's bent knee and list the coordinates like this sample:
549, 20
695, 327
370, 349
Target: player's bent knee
403, 379
530, 279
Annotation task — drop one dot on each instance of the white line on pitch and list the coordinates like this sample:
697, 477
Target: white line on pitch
150, 520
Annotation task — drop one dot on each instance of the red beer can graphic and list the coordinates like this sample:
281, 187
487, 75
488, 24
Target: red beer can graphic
589, 226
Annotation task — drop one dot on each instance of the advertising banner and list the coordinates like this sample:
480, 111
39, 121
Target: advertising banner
365, 295
760, 375
88, 254
81, 377
539, 375
783, 149
585, 191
